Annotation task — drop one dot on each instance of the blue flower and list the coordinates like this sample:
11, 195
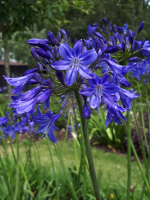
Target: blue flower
126, 97
46, 124
114, 113
98, 87
10, 131
75, 62
3, 120
90, 30
19, 82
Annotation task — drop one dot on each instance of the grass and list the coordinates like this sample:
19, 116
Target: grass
110, 167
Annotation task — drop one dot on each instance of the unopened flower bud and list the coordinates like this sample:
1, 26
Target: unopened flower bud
141, 26
56, 52
59, 75
40, 67
38, 78
51, 38
86, 111
34, 54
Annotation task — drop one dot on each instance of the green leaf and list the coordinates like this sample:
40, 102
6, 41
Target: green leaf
108, 131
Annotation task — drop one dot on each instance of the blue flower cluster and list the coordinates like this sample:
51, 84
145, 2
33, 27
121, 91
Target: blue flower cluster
16, 124
96, 68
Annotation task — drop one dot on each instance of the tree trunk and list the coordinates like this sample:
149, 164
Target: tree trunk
6, 61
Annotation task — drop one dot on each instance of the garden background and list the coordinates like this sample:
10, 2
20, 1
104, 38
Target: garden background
36, 168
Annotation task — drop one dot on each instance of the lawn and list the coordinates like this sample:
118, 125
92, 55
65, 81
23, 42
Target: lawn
110, 167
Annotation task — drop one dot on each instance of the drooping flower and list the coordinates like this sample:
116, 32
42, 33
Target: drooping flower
46, 123
75, 62
19, 82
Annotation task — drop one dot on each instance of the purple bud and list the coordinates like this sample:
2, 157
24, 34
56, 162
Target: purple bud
112, 49
30, 71
35, 41
134, 59
133, 34
51, 38
75, 40
141, 26
6, 114
79, 125
58, 36
70, 112
44, 96
98, 35
56, 52
59, 101
59, 75
34, 54
38, 78
43, 45
130, 33
133, 46
80, 80
95, 24
48, 70
86, 111
42, 53
63, 31
105, 21
115, 28
49, 83
74, 125
40, 67
69, 129
68, 33
123, 46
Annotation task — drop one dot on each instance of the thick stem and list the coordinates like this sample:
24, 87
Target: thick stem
129, 154
88, 147
6, 61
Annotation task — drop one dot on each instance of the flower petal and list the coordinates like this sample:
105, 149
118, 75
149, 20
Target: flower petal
66, 52
94, 102
71, 76
61, 65
88, 57
77, 48
51, 136
85, 72
87, 91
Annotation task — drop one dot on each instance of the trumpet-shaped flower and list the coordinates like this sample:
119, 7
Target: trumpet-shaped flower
46, 123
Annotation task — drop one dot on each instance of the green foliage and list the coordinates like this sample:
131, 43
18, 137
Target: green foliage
111, 135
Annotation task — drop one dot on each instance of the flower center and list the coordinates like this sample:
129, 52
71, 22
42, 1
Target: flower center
75, 64
99, 90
